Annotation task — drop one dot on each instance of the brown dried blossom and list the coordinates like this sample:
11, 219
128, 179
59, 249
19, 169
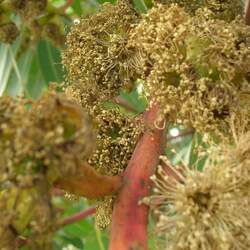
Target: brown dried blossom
8, 32
225, 10
236, 154
103, 215
29, 9
199, 71
201, 210
116, 139
97, 55
41, 141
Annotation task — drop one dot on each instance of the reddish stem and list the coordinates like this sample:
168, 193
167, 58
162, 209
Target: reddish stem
247, 12
66, 5
77, 217
89, 183
129, 222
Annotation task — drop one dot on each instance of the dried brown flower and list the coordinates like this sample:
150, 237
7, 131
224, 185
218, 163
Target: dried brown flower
198, 72
41, 141
97, 55
226, 10
29, 9
103, 215
8, 32
116, 139
203, 210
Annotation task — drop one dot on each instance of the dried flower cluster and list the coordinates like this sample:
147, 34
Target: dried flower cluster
117, 135
8, 32
116, 139
225, 10
97, 56
41, 141
201, 210
29, 9
236, 158
38, 19
103, 215
195, 67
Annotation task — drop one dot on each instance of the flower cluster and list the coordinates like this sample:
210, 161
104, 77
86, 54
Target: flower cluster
200, 210
97, 56
41, 141
29, 9
8, 32
38, 19
195, 67
116, 140
226, 10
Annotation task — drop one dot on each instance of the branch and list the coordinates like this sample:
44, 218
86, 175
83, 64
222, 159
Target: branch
247, 12
89, 183
77, 217
129, 222
66, 5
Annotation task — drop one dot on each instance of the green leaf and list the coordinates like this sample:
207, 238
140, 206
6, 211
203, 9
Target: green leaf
76, 6
49, 59
6, 63
140, 6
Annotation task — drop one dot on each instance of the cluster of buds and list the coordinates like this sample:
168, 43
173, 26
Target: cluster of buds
203, 210
97, 56
41, 142
38, 19
226, 9
195, 67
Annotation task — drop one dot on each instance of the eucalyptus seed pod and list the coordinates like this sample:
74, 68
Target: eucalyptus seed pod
8, 32
97, 55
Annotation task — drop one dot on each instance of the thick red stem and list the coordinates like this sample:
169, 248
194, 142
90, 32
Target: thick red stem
89, 183
130, 219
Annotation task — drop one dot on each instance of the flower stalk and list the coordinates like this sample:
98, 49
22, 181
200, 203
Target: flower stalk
90, 184
77, 217
130, 218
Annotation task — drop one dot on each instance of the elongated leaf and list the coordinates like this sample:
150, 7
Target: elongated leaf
50, 62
